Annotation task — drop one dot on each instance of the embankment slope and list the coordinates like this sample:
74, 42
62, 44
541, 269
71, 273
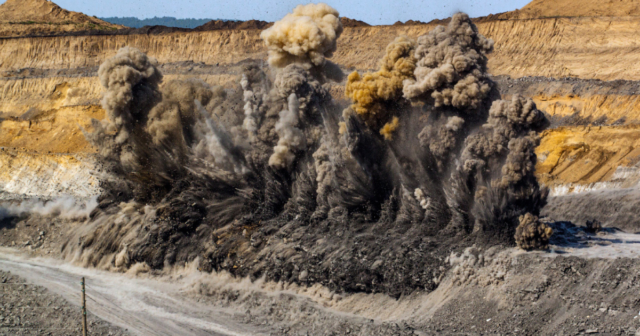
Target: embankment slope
575, 8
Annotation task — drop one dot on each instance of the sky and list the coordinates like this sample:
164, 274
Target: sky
373, 11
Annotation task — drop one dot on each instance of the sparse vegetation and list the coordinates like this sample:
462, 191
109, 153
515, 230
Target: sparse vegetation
26, 22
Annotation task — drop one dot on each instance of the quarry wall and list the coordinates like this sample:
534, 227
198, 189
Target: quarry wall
590, 48
48, 85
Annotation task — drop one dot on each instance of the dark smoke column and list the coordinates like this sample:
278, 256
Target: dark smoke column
471, 163
131, 81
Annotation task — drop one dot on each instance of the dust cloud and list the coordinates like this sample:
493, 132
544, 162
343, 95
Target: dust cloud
276, 179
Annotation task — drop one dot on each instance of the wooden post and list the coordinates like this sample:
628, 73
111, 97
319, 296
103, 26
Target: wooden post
84, 311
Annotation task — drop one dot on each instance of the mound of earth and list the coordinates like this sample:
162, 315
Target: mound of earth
574, 8
347, 22
409, 23
42, 17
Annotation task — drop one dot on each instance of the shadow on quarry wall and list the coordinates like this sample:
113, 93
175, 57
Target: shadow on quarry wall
613, 208
570, 235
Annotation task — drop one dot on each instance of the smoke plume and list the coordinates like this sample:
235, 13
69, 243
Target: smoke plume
254, 85
170, 122
131, 81
532, 234
452, 66
63, 207
291, 138
375, 94
302, 97
307, 36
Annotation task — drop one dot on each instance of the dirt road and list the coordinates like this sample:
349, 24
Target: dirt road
144, 307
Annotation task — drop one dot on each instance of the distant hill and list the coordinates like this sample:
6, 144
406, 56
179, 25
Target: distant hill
166, 21
574, 8
42, 17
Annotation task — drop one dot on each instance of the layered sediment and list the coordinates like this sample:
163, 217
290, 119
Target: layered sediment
589, 48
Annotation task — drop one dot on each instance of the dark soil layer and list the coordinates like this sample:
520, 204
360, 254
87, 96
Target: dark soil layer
346, 253
538, 295
409, 23
157, 30
219, 25
223, 25
549, 296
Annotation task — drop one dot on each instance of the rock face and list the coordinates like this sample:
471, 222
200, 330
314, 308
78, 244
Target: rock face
587, 67
43, 17
588, 48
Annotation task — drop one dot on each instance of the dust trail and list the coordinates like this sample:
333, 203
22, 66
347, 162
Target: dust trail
63, 207
144, 307
306, 36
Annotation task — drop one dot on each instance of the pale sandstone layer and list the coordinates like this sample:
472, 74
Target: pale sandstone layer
40, 175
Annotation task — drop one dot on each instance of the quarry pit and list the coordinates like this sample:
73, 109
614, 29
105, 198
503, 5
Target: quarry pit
241, 188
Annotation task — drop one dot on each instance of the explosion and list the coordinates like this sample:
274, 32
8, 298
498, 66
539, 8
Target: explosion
375, 96
307, 36
276, 179
532, 234
452, 66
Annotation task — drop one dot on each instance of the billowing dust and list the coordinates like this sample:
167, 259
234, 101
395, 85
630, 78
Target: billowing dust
277, 179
